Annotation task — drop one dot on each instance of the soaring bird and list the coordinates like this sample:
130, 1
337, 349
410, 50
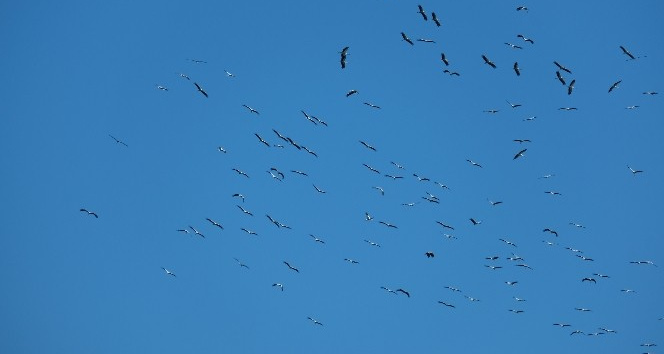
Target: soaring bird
493, 267
214, 223
319, 190
240, 172
516, 68
90, 212
615, 85
118, 141
250, 232
488, 62
380, 189
550, 231
426, 40
522, 8
560, 78
475, 222
388, 224
200, 89
372, 105
474, 163
163, 88
507, 242
262, 140
521, 141
367, 216
511, 282
291, 267
516, 311
314, 321
513, 105
371, 168
446, 304
351, 92
405, 38
238, 195
525, 39
168, 272
389, 290
309, 151
352, 261
299, 173
281, 286
250, 109
372, 243
562, 67
221, 149
421, 12
513, 45
457, 290
316, 239
650, 93
403, 291
343, 53
589, 280
367, 146
229, 74
244, 210
634, 172
242, 265
434, 18
444, 59
568, 108
445, 225
562, 325
451, 73
581, 309
570, 88
519, 154
196, 231
429, 254
627, 53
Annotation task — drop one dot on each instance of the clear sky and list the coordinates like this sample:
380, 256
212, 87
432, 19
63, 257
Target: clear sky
77, 75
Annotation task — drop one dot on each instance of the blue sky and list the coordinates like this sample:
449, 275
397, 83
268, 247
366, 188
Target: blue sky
77, 73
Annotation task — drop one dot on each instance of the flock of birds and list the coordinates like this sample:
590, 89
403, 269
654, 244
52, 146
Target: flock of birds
562, 73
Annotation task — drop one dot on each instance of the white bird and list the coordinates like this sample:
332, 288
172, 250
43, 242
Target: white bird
281, 286
316, 239
168, 272
314, 321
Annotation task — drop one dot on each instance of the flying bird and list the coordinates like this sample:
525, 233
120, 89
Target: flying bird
300, 172
421, 12
445, 225
316, 239
627, 53
168, 272
434, 18
244, 210
281, 286
351, 92
492, 267
451, 73
389, 290
615, 85
403, 291
581, 309
196, 231
513, 45
238, 195
242, 265
516, 311
570, 88
525, 39
560, 78
519, 154
371, 105
250, 232
429, 254
250, 109
240, 172
371, 168
163, 88
474, 163
200, 89
550, 231
522, 8
372, 243
426, 40
562, 67
516, 68
589, 280
488, 62
508, 242
291, 267
352, 261
446, 304
214, 223
405, 38
118, 141
511, 282
388, 224
568, 108
221, 149
634, 172
475, 222
229, 74
90, 213
367, 146
380, 189
314, 321
319, 190
513, 105
444, 59
262, 140
520, 141
553, 193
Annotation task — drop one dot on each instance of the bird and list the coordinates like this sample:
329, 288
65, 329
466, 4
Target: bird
434, 18
309, 118
491, 258
628, 291
451, 73
405, 38
589, 280
397, 165
626, 52
242, 265
250, 232
650, 93
570, 88
632, 107
429, 254
393, 177
240, 172
475, 222
291, 267
562, 325
309, 151
90, 213
529, 118
474, 163
281, 286
221, 149
577, 332
319, 190
444, 59
277, 223
163, 88
488, 62
351, 92
388, 224
372, 105
519, 299
508, 242
275, 176
519, 154
577, 225
367, 146
516, 68
446, 304
389, 290
183, 230
516, 311
198, 61
238, 195
492, 267
560, 78
553, 193
421, 12
644, 262
352, 261
380, 189
491, 111
367, 216
522, 8
371, 168
372, 243
601, 275
316, 239
196, 231
184, 76
245, 211
513, 105
200, 89
215, 223
168, 272
614, 85
403, 291
250, 109
550, 231
567, 108
445, 225
262, 140
546, 176
229, 74
314, 321
511, 282
522, 141
299, 173
344, 53
562, 67
118, 141
470, 298
634, 172
525, 39
581, 309
426, 40
457, 290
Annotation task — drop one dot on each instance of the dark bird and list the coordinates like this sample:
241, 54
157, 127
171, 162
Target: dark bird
446, 304
242, 265
491, 111
582, 309
570, 88
519, 154
508, 242
650, 93
380, 189
615, 85
367, 146
352, 261
550, 231
250, 232
405, 38
525, 39
262, 140
200, 89
451, 73
238, 195
118, 141
214, 223
240, 172
434, 18
308, 117
601, 275
168, 272
314, 321
198, 61
589, 280
488, 62
560, 78
344, 53
277, 223
627, 53
517, 70
562, 67
371, 105
162, 88
444, 59
643, 262
196, 231
513, 105
250, 109
457, 290
371, 168
426, 40
309, 150
184, 76
316, 239
388, 224
421, 12
634, 172
229, 74
445, 225
577, 332
319, 190
300, 172
397, 165
522, 141
513, 45
474, 163
567, 109
403, 291
429, 254
351, 92
389, 290
244, 210
491, 258
475, 222
562, 325
421, 179
372, 243
516, 311
291, 267
90, 212
221, 149
493, 267
553, 193
281, 286
511, 282
522, 8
